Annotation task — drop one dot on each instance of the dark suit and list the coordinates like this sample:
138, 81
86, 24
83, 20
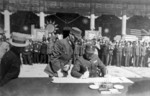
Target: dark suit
9, 67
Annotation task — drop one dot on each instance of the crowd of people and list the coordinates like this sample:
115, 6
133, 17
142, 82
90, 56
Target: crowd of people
118, 53
72, 55
38, 51
124, 53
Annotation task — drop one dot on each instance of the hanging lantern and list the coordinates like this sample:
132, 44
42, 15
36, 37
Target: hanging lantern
25, 28
85, 21
106, 30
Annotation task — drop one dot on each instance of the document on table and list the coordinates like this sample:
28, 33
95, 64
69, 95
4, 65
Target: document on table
91, 80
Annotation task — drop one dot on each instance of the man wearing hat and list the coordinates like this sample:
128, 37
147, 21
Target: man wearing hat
88, 65
11, 62
62, 54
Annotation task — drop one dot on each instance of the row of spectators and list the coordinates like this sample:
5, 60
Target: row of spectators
124, 53
119, 53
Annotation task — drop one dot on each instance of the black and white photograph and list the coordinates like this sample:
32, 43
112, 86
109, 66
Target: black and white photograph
74, 47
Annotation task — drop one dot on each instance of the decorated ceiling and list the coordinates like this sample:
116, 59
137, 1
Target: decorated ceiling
83, 7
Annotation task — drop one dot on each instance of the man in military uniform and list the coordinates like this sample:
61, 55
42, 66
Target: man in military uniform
105, 52
88, 63
110, 53
36, 51
43, 51
127, 52
143, 54
27, 54
62, 54
136, 53
119, 54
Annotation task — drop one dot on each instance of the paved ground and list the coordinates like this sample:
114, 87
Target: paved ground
37, 70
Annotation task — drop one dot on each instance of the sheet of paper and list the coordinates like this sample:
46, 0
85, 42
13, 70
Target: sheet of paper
91, 80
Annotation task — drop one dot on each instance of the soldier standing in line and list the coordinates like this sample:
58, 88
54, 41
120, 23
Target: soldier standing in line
43, 51
143, 53
26, 55
110, 54
119, 54
127, 52
105, 51
134, 53
147, 55
36, 51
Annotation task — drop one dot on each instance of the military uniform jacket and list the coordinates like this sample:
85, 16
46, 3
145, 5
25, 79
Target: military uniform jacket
143, 51
95, 66
62, 53
127, 50
136, 50
36, 47
105, 50
44, 48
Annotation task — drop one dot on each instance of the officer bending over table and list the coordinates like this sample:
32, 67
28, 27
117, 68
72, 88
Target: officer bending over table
88, 65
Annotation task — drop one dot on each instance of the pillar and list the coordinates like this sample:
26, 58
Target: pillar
42, 19
92, 21
124, 24
7, 22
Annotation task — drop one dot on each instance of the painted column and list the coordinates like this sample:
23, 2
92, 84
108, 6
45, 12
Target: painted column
92, 21
124, 24
7, 22
42, 19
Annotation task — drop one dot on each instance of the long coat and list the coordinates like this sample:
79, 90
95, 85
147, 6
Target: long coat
61, 55
9, 67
